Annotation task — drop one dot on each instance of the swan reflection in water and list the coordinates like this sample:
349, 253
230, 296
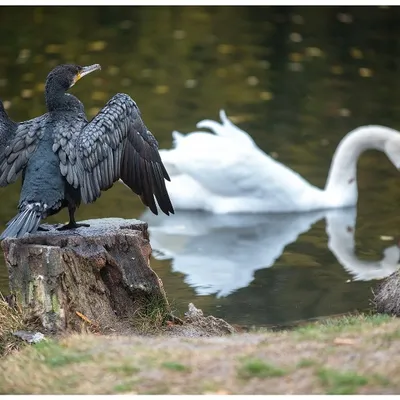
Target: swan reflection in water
220, 253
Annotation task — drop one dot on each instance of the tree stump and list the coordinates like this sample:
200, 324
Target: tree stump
100, 274
387, 295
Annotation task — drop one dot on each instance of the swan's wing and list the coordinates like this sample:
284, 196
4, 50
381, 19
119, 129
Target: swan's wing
117, 144
20, 148
226, 129
226, 168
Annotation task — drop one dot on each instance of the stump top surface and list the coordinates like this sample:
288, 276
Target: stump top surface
98, 227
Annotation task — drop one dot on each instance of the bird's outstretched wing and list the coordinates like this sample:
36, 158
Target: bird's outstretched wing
20, 148
7, 128
117, 145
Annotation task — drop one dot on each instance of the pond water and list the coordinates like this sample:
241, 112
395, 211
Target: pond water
296, 78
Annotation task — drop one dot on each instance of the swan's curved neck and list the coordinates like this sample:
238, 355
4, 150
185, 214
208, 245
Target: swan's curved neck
341, 185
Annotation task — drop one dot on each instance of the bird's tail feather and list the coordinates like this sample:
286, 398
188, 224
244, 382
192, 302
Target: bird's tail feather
27, 220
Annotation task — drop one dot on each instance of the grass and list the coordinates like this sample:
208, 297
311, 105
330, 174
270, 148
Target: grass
338, 382
151, 315
55, 355
306, 363
174, 366
11, 320
124, 369
349, 324
256, 368
123, 387
307, 360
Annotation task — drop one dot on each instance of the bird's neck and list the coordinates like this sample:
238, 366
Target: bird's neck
341, 186
56, 98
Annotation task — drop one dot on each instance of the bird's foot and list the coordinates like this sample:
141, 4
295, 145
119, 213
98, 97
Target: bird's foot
72, 225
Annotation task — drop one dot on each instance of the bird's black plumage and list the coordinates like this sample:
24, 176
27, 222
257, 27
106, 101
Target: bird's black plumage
7, 128
65, 159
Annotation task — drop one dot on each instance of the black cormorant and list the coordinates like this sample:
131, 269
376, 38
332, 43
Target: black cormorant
64, 158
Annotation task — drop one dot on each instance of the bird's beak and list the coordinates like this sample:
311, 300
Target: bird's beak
84, 71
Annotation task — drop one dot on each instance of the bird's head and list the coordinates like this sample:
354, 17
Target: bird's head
66, 75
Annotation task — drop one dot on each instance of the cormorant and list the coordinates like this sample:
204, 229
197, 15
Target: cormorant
64, 158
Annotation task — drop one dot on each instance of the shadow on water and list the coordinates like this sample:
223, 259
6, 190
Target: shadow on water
296, 78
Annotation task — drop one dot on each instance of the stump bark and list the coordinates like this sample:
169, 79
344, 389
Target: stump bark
387, 295
100, 274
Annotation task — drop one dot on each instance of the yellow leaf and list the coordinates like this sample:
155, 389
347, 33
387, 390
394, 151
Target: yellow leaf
98, 45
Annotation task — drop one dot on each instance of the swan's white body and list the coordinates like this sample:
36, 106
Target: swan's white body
226, 172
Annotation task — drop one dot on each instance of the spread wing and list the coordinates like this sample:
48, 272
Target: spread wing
117, 145
20, 148
7, 129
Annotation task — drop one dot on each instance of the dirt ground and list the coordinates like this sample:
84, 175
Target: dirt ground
359, 354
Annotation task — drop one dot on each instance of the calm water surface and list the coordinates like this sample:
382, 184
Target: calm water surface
296, 78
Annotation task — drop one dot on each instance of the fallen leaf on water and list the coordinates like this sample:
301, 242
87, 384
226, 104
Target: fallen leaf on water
337, 69
28, 77
98, 45
161, 89
26, 93
39, 87
344, 112
190, 83
252, 80
99, 96
93, 111
179, 34
296, 57
356, 53
346, 341
365, 72
295, 37
266, 96
53, 49
225, 49
386, 238
314, 52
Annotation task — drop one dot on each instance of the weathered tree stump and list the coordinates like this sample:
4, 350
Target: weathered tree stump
387, 295
99, 274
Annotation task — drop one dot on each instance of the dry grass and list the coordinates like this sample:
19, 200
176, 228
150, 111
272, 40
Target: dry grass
150, 317
11, 320
359, 354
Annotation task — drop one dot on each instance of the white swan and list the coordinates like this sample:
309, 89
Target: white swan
226, 172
